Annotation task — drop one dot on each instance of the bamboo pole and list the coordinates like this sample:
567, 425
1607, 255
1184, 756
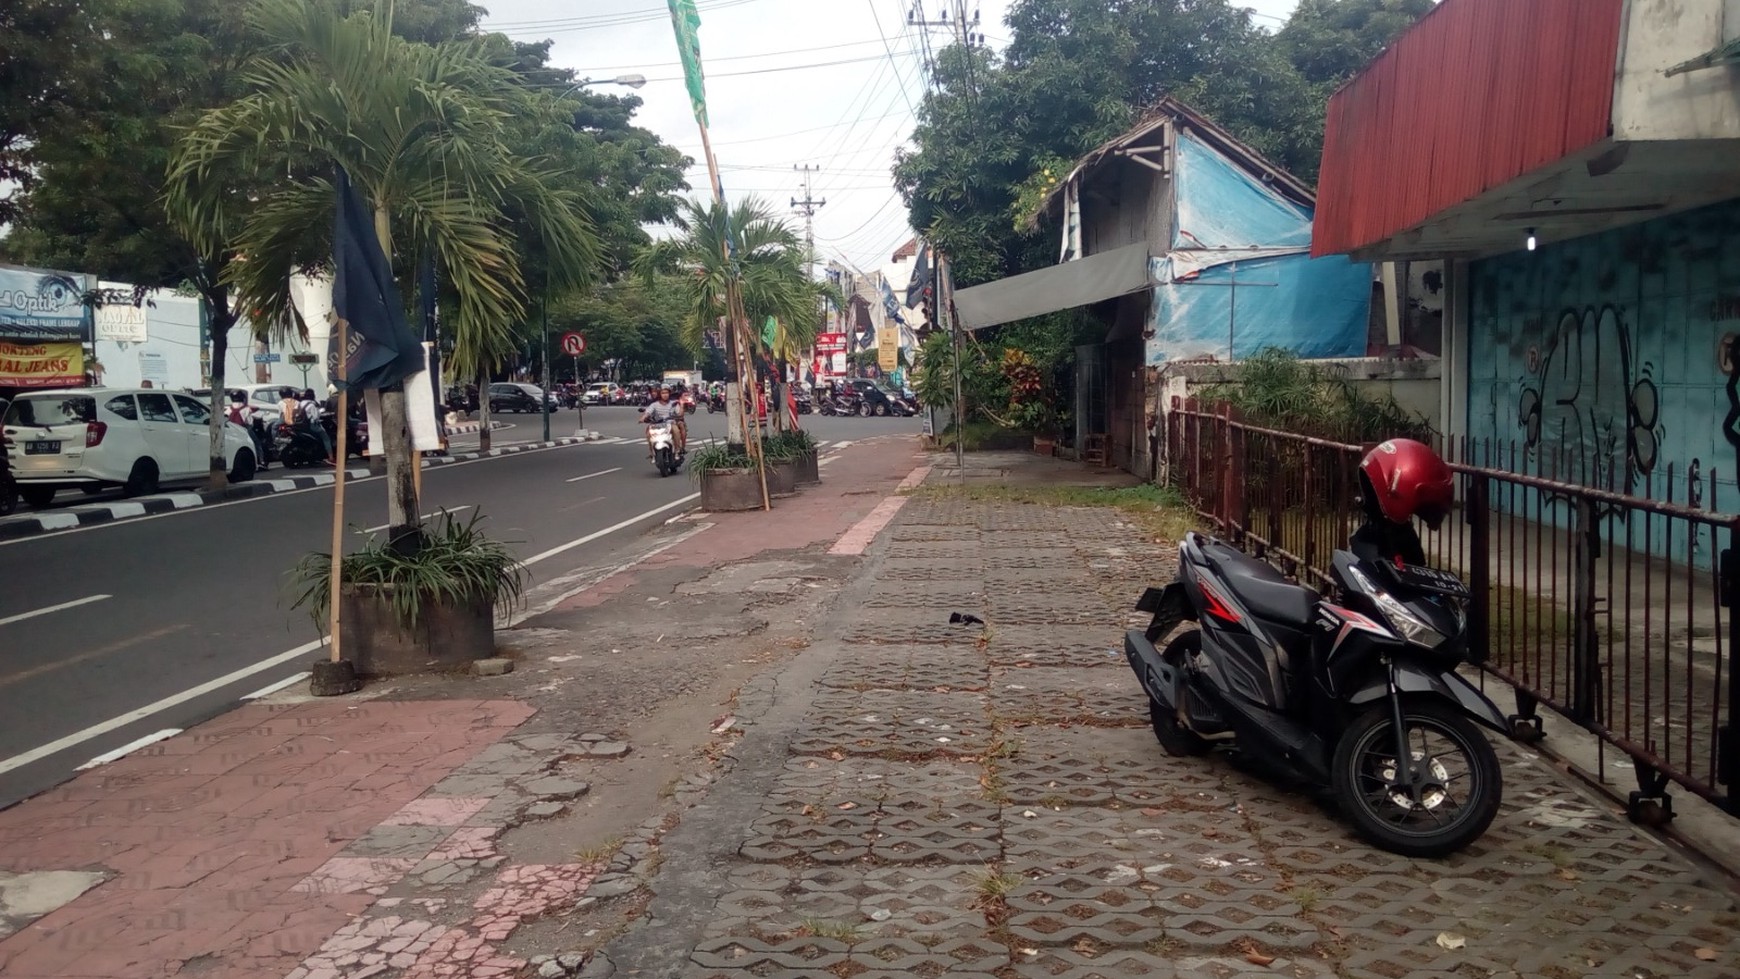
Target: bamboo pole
336, 585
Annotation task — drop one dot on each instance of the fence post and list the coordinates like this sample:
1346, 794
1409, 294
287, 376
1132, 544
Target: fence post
1238, 501
1224, 512
1728, 735
1477, 515
1585, 657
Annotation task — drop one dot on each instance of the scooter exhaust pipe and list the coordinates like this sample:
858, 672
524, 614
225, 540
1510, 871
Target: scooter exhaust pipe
1157, 677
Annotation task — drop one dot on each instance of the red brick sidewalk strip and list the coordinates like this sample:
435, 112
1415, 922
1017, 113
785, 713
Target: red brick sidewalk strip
228, 843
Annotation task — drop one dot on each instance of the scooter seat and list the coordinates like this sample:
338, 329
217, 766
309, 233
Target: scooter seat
1277, 601
1262, 588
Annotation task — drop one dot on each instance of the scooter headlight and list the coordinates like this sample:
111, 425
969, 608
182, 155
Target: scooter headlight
1401, 618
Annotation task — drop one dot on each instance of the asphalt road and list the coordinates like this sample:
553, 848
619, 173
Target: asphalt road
111, 633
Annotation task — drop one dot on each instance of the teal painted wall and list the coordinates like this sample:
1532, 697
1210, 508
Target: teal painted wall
1604, 358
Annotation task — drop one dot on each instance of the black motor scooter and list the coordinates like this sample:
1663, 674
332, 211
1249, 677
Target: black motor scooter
1361, 696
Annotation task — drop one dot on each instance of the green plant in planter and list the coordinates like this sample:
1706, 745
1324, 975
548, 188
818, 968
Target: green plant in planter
716, 456
457, 565
785, 446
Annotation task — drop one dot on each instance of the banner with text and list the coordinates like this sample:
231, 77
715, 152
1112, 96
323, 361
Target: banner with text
38, 305
41, 365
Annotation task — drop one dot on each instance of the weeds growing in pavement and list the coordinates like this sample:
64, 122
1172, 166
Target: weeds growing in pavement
839, 930
599, 854
1159, 510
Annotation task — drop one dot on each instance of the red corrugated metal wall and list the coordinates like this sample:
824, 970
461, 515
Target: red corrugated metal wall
1476, 94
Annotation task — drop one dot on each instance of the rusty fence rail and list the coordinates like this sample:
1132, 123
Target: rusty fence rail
1613, 608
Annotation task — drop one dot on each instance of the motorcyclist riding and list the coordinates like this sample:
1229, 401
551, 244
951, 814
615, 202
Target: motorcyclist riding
665, 410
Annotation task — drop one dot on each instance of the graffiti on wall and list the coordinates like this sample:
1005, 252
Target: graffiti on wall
1728, 358
1587, 408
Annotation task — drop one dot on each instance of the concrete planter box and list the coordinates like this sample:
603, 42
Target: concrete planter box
447, 637
809, 470
727, 490
782, 477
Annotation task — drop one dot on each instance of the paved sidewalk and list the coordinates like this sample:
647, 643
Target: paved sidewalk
761, 749
939, 802
430, 827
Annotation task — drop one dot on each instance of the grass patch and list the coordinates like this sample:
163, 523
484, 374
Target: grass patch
1159, 510
981, 436
1307, 898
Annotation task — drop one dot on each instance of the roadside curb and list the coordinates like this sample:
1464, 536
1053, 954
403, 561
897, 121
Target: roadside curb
92, 514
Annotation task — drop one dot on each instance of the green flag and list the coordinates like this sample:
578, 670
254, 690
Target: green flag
687, 22
769, 332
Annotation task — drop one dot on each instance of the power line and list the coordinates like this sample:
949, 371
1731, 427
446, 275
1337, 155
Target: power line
641, 15
890, 49
733, 57
768, 71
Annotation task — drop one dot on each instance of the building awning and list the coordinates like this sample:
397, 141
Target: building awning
1082, 282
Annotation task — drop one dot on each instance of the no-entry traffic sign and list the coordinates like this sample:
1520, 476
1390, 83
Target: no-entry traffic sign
573, 344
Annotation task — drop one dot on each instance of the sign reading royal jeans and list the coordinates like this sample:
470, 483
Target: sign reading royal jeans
41, 365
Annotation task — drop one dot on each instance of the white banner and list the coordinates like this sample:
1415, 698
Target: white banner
419, 410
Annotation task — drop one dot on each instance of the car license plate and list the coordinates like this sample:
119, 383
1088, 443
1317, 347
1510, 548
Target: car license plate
41, 448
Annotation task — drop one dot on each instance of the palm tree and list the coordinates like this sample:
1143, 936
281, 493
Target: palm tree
741, 264
427, 134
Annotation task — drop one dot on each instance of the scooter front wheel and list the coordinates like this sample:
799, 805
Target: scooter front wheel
1178, 740
1454, 793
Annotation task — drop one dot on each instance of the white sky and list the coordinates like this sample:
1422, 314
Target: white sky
847, 115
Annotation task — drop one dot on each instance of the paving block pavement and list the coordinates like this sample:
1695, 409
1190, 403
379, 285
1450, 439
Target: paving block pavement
991, 802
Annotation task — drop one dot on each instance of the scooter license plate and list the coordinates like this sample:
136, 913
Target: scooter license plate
1432, 579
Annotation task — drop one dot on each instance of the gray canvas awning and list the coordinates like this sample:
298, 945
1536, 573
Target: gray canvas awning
1082, 282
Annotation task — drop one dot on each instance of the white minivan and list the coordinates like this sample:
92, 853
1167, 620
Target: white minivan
92, 438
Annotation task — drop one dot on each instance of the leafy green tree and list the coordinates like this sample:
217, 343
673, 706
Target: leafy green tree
46, 52
1079, 72
95, 201
423, 131
738, 263
635, 322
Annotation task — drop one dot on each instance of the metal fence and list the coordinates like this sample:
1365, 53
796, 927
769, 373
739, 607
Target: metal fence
1613, 608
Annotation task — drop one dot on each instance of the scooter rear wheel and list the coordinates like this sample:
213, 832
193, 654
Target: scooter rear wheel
1178, 740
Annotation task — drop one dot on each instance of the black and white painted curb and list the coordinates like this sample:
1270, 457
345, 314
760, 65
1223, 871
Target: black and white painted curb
90, 514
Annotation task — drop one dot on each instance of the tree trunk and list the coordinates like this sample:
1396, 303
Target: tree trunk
483, 412
404, 519
219, 322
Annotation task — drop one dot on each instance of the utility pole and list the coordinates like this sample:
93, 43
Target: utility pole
806, 207
963, 27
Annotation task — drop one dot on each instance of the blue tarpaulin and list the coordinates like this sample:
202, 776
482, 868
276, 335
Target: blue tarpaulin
1238, 243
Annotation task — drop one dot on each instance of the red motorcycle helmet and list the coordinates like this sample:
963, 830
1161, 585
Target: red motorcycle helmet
1403, 479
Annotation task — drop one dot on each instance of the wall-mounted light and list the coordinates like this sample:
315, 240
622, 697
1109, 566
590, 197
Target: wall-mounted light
1532, 239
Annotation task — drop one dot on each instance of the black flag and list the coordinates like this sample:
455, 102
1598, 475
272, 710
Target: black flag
381, 349
921, 279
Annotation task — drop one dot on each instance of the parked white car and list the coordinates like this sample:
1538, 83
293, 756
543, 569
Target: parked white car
262, 398
93, 438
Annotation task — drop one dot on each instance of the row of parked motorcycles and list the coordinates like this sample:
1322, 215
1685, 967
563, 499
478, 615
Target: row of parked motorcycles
295, 446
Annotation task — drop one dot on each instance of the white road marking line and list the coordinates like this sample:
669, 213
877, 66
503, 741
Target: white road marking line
63, 606
62, 523
840, 445
128, 748
272, 688
426, 516
613, 528
606, 472
591, 577
155, 707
